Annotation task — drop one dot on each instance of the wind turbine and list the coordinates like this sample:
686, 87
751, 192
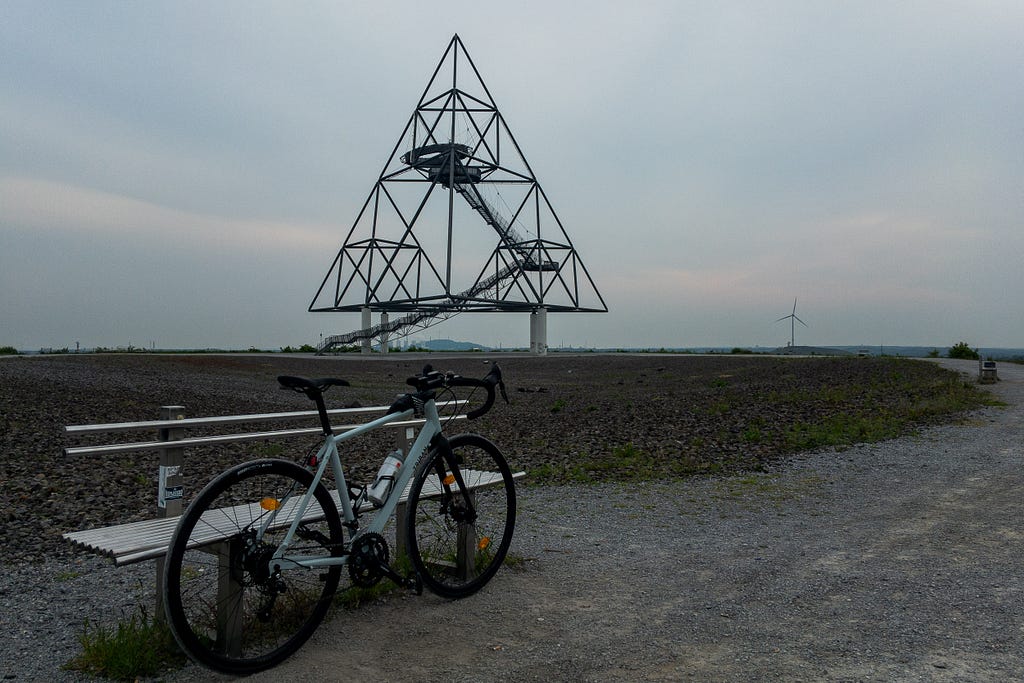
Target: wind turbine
793, 320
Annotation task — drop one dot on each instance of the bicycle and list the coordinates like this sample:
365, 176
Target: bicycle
257, 557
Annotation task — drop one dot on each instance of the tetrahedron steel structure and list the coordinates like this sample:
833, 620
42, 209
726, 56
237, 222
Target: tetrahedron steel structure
456, 222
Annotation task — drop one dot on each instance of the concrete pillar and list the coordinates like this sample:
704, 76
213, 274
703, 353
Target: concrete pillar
384, 336
542, 332
539, 331
366, 323
533, 331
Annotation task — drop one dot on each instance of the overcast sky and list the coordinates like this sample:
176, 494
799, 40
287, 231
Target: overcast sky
181, 174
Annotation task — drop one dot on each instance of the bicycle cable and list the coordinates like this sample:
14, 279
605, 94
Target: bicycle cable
449, 391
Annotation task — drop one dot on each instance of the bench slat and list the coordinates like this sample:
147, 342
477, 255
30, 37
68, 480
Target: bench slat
229, 419
225, 438
213, 421
137, 541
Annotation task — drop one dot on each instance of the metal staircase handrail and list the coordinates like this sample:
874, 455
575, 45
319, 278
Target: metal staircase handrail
411, 319
473, 197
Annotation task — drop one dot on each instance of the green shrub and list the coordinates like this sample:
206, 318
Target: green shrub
8, 351
963, 351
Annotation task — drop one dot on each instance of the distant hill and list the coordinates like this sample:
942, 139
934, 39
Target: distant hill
451, 345
812, 351
897, 350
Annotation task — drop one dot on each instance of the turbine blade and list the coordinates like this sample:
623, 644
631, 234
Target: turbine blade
800, 321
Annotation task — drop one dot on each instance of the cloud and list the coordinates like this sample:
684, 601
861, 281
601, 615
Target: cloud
49, 207
708, 162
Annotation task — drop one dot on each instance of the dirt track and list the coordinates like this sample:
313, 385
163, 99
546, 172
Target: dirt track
894, 561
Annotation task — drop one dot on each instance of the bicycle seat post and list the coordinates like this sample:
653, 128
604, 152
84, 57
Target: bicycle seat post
313, 389
321, 407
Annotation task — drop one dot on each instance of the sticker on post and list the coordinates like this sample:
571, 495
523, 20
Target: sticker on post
165, 492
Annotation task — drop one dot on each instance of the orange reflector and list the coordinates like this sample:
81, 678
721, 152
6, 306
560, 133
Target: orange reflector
270, 504
483, 543
449, 480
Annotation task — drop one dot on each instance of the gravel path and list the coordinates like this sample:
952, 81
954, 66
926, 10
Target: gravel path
892, 561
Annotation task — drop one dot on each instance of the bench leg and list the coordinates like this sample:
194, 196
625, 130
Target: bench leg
466, 543
465, 559
230, 605
160, 615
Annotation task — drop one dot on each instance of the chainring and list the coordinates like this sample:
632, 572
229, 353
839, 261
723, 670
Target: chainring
367, 559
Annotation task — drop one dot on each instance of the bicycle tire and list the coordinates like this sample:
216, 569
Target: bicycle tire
453, 556
225, 609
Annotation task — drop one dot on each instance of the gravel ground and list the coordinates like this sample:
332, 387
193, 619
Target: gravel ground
674, 414
891, 561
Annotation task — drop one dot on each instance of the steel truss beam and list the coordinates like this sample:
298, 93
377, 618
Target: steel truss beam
455, 158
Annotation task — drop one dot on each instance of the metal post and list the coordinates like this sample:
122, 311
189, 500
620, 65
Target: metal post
170, 490
404, 437
384, 335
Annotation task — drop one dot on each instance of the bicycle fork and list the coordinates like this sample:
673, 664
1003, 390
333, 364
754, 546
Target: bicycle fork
467, 512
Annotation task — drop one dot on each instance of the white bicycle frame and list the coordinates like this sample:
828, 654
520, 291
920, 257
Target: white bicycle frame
329, 455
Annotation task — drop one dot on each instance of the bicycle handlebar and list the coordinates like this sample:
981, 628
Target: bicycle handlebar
488, 383
431, 379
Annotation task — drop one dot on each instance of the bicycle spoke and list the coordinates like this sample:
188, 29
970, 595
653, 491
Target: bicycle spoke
458, 541
227, 607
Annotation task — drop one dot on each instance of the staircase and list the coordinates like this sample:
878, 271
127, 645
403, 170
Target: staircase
420, 319
507, 233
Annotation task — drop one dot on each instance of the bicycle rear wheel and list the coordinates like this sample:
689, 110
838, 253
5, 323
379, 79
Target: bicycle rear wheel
457, 541
226, 608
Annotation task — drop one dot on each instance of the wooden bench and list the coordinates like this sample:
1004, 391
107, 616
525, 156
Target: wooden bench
149, 539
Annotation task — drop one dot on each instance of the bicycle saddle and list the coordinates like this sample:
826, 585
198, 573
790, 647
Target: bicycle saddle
303, 384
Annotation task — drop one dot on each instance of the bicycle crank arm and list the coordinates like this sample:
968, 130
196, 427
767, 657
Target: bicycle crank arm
411, 582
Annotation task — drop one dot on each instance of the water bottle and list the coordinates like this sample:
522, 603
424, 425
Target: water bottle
378, 491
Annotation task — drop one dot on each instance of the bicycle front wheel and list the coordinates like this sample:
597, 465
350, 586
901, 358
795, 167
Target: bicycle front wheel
230, 608
458, 537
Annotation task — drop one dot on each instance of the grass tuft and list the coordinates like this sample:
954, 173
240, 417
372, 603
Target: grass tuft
139, 647
744, 423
